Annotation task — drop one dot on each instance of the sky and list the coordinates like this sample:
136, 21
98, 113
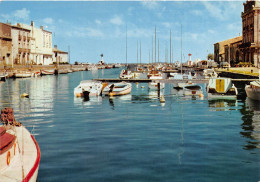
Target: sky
89, 28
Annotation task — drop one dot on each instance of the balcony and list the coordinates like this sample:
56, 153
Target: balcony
24, 50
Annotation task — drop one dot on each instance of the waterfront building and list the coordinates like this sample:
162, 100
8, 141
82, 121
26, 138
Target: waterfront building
250, 46
228, 51
58, 56
5, 44
41, 45
245, 49
21, 47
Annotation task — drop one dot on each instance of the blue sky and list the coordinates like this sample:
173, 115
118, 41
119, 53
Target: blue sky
94, 27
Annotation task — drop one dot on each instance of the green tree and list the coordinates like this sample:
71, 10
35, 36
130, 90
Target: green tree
210, 56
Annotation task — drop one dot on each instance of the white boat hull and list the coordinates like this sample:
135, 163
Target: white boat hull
252, 93
23, 75
121, 88
48, 72
94, 88
25, 158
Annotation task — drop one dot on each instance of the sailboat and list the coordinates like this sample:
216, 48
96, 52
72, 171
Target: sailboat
19, 151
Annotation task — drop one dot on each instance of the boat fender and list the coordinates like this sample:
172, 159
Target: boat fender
8, 158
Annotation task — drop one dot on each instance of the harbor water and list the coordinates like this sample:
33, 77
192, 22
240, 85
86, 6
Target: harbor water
135, 137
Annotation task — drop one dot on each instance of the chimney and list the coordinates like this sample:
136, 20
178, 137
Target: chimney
41, 27
55, 46
32, 23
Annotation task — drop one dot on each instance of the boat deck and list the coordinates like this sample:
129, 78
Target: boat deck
22, 166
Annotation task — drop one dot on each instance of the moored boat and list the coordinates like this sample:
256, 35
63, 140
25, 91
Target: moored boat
126, 74
253, 90
48, 72
195, 91
3, 77
121, 88
184, 80
19, 151
155, 85
155, 76
88, 88
23, 74
209, 73
221, 88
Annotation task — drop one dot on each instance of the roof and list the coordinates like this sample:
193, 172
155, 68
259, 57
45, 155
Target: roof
21, 28
59, 51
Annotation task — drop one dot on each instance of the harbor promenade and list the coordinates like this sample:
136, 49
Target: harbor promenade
239, 72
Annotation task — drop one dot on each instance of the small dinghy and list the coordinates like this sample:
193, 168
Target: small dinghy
121, 88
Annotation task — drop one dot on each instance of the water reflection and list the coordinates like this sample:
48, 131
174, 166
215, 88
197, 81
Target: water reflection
91, 101
251, 124
222, 105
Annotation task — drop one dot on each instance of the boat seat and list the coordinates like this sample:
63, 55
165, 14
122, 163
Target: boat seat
6, 141
2, 130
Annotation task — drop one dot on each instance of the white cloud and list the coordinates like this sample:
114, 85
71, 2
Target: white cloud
84, 32
48, 20
139, 32
214, 10
22, 14
98, 22
223, 10
116, 20
150, 4
61, 21
211, 31
166, 24
130, 10
197, 12
16, 16
91, 32
235, 27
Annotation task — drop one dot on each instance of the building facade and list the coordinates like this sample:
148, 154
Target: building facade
27, 45
59, 57
5, 44
21, 45
245, 49
41, 45
228, 51
251, 32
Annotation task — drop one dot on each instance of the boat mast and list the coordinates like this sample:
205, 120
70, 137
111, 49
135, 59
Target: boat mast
152, 50
158, 51
155, 45
126, 46
166, 52
140, 52
137, 53
170, 46
149, 56
181, 48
